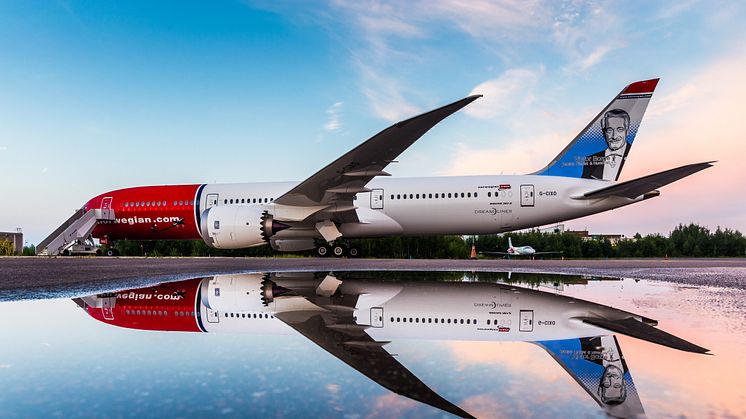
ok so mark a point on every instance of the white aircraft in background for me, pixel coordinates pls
(353, 320)
(351, 198)
(521, 251)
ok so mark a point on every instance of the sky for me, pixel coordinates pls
(96, 96)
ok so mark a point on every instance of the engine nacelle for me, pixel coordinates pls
(237, 226)
(234, 293)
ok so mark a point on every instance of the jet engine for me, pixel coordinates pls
(237, 226)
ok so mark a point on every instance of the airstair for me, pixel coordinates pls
(76, 230)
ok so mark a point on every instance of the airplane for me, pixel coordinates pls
(354, 320)
(521, 251)
(352, 198)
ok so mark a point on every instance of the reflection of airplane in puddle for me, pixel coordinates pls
(354, 320)
(520, 251)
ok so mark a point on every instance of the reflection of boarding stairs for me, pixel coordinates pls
(77, 229)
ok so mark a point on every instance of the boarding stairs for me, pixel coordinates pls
(76, 230)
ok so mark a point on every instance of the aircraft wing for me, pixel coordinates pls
(597, 364)
(334, 186)
(496, 253)
(339, 335)
(550, 253)
(640, 186)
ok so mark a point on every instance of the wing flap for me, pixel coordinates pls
(633, 188)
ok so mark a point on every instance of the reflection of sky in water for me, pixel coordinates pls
(56, 360)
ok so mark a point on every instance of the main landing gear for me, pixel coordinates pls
(337, 249)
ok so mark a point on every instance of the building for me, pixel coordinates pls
(614, 239)
(13, 240)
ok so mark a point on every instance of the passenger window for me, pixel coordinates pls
(126, 204)
(462, 194)
(243, 201)
(468, 195)
(398, 196)
(449, 195)
(462, 321)
(225, 201)
(410, 196)
(404, 196)
(392, 196)
(489, 194)
(449, 321)
(418, 196)
(231, 201)
(475, 194)
(430, 196)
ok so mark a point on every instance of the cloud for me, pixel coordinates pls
(680, 98)
(44, 170)
(5, 366)
(333, 124)
(391, 405)
(511, 157)
(585, 33)
(512, 89)
(592, 59)
(385, 96)
(506, 19)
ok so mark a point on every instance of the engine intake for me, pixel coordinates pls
(238, 227)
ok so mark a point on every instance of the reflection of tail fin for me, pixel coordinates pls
(510, 243)
(597, 364)
(600, 150)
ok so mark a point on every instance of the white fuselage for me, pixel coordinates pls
(441, 311)
(443, 205)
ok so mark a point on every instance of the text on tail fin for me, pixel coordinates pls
(601, 149)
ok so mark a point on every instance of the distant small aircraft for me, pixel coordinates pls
(520, 251)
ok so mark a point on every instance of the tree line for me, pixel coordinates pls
(684, 241)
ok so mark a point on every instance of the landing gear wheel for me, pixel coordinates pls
(110, 252)
(353, 252)
(323, 251)
(339, 250)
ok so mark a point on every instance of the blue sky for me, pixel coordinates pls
(103, 95)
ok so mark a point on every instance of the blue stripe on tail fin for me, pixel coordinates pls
(600, 150)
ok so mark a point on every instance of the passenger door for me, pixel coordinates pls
(212, 200)
(527, 195)
(376, 199)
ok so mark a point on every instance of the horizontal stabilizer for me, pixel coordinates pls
(640, 186)
(640, 330)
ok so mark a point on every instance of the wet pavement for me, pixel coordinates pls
(479, 342)
(31, 275)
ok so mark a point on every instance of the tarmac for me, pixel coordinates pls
(49, 277)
